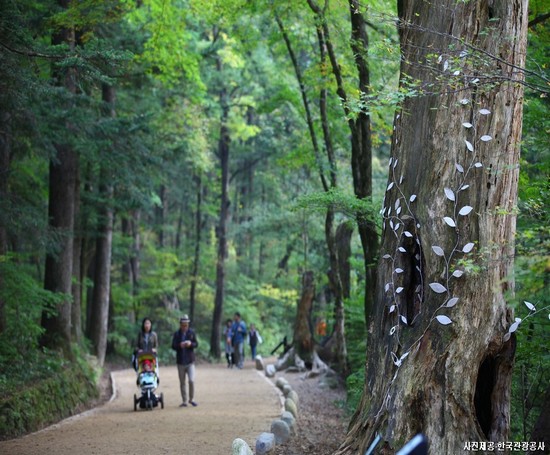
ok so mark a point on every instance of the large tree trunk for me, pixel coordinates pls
(102, 275)
(223, 152)
(303, 336)
(434, 367)
(61, 209)
(131, 272)
(361, 154)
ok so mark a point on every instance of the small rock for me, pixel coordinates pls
(259, 363)
(291, 407)
(240, 447)
(287, 389)
(312, 374)
(281, 430)
(281, 383)
(294, 397)
(270, 371)
(289, 419)
(265, 443)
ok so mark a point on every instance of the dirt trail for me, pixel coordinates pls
(232, 403)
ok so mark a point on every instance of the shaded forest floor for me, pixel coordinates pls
(322, 421)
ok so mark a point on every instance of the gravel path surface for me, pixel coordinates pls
(232, 403)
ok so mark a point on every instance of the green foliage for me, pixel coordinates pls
(26, 300)
(356, 338)
(42, 388)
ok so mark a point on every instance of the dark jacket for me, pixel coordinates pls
(184, 356)
(149, 344)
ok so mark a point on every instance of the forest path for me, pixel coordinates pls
(232, 404)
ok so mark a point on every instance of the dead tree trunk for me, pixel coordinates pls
(438, 359)
(303, 336)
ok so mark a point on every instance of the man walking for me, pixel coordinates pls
(238, 331)
(184, 343)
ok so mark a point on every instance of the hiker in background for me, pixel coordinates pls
(238, 333)
(254, 339)
(184, 343)
(228, 346)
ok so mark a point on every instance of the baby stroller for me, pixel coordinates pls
(147, 381)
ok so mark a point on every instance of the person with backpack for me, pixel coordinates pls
(254, 339)
(238, 333)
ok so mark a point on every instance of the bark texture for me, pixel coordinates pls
(303, 336)
(447, 378)
(221, 231)
(102, 275)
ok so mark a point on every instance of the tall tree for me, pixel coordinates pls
(221, 230)
(61, 209)
(439, 357)
(102, 263)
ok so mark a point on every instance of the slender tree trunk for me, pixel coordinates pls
(343, 246)
(197, 255)
(223, 152)
(78, 277)
(330, 183)
(102, 275)
(5, 155)
(130, 228)
(438, 359)
(161, 213)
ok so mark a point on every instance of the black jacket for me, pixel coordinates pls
(184, 356)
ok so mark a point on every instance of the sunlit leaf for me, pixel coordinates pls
(513, 327)
(459, 168)
(478, 164)
(464, 187)
(529, 305)
(484, 111)
(392, 309)
(438, 250)
(451, 302)
(386, 256)
(467, 125)
(442, 319)
(468, 247)
(404, 319)
(449, 221)
(398, 270)
(402, 250)
(450, 194)
(465, 210)
(407, 234)
(399, 290)
(469, 145)
(458, 273)
(438, 288)
(412, 198)
(390, 186)
(486, 138)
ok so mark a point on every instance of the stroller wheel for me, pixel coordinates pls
(161, 399)
(135, 402)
